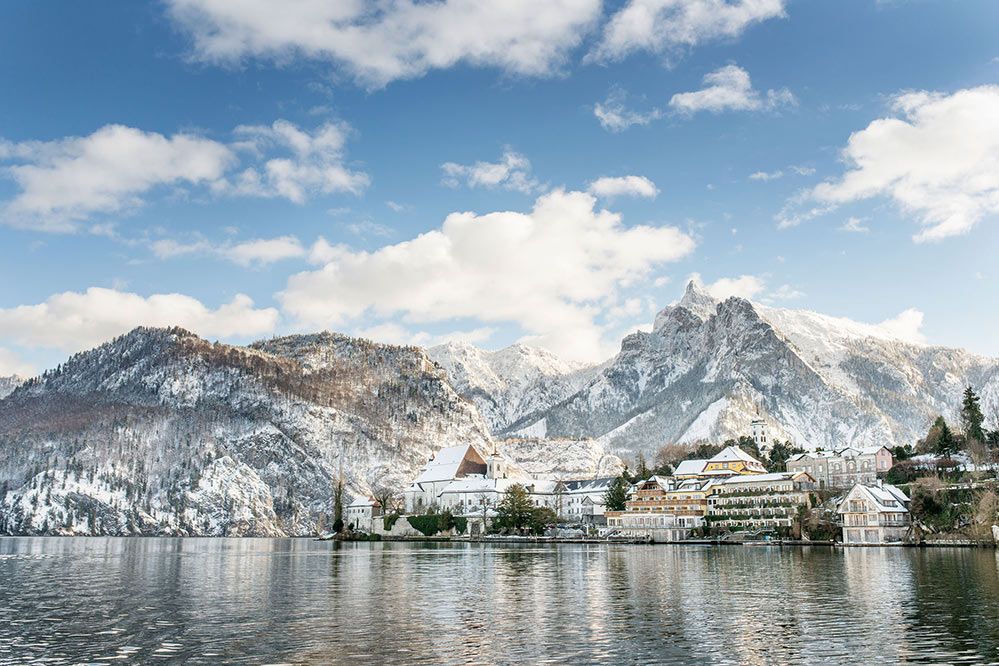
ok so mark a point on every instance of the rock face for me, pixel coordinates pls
(707, 368)
(160, 431)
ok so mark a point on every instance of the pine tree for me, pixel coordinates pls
(642, 468)
(946, 444)
(616, 495)
(971, 416)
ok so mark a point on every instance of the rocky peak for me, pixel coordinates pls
(696, 304)
(697, 299)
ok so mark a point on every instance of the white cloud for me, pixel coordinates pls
(315, 165)
(669, 26)
(786, 292)
(855, 225)
(938, 160)
(907, 326)
(396, 206)
(614, 116)
(552, 271)
(72, 321)
(512, 172)
(779, 173)
(378, 42)
(264, 250)
(393, 333)
(744, 286)
(729, 89)
(65, 181)
(634, 186)
(168, 248)
(254, 252)
(12, 364)
(368, 228)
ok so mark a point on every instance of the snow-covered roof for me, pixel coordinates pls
(363, 502)
(881, 495)
(471, 484)
(732, 454)
(760, 478)
(589, 485)
(445, 464)
(692, 485)
(688, 467)
(845, 452)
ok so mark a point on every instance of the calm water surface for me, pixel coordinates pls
(257, 601)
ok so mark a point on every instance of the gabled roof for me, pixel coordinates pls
(880, 495)
(448, 462)
(688, 467)
(733, 454)
(364, 502)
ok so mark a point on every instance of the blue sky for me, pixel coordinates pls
(177, 162)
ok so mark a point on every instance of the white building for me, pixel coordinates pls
(453, 462)
(583, 501)
(844, 467)
(655, 526)
(361, 512)
(458, 479)
(874, 514)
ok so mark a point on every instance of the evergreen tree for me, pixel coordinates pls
(748, 444)
(971, 416)
(541, 518)
(946, 443)
(515, 509)
(780, 452)
(616, 495)
(642, 470)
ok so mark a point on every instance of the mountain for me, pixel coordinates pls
(708, 368)
(512, 386)
(8, 384)
(159, 431)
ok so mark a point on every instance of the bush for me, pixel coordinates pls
(389, 520)
(428, 525)
(904, 472)
(460, 525)
(445, 521)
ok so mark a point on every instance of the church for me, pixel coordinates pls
(460, 480)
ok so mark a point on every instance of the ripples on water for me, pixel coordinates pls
(297, 601)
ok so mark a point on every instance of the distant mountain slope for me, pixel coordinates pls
(160, 431)
(707, 367)
(511, 385)
(8, 384)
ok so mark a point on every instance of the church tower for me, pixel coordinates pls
(496, 466)
(759, 430)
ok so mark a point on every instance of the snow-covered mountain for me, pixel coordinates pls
(160, 431)
(8, 384)
(707, 367)
(511, 386)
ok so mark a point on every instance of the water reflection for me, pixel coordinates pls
(262, 600)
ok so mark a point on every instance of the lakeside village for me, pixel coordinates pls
(943, 491)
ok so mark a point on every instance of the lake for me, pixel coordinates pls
(139, 600)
